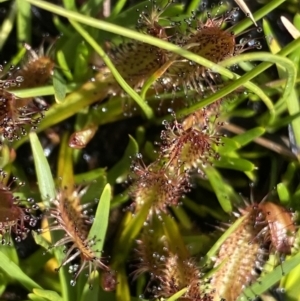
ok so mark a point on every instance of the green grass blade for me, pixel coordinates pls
(44, 175)
(177, 295)
(48, 295)
(89, 294)
(16, 273)
(247, 137)
(100, 224)
(23, 22)
(234, 163)
(122, 290)
(48, 192)
(59, 86)
(270, 279)
(117, 8)
(222, 190)
(90, 175)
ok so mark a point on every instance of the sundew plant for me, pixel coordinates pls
(149, 150)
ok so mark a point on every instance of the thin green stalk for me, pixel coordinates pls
(41, 91)
(287, 64)
(146, 109)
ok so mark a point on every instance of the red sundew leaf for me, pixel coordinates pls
(13, 217)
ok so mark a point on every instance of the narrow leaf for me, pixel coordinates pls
(247, 137)
(48, 295)
(221, 189)
(89, 294)
(177, 295)
(100, 223)
(235, 163)
(16, 273)
(59, 86)
(270, 279)
(42, 168)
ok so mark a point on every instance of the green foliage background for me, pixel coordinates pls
(86, 34)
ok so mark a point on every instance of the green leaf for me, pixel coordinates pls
(48, 192)
(234, 163)
(65, 164)
(99, 227)
(119, 199)
(3, 282)
(172, 232)
(90, 175)
(177, 295)
(40, 240)
(10, 252)
(89, 294)
(48, 295)
(283, 193)
(297, 20)
(290, 283)
(131, 229)
(16, 273)
(222, 190)
(62, 61)
(82, 67)
(230, 145)
(43, 171)
(4, 155)
(34, 297)
(59, 85)
(122, 289)
(23, 22)
(270, 279)
(94, 188)
(249, 136)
